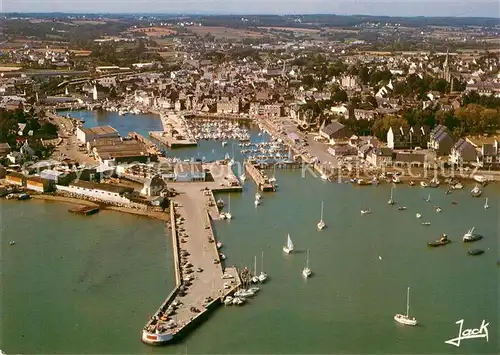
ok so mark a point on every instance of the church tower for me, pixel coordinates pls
(446, 68)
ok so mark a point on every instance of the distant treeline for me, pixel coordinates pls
(306, 21)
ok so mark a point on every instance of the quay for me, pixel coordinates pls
(171, 140)
(202, 280)
(259, 177)
(152, 148)
(84, 210)
(176, 132)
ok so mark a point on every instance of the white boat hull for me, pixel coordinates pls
(405, 320)
(286, 250)
(306, 273)
(321, 225)
(156, 339)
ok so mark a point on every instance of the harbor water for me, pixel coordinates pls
(86, 285)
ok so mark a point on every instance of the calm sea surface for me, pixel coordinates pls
(81, 285)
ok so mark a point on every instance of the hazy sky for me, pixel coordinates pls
(461, 8)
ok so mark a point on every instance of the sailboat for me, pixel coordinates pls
(257, 196)
(263, 275)
(243, 177)
(288, 248)
(307, 271)
(428, 199)
(406, 319)
(228, 213)
(321, 224)
(391, 200)
(486, 206)
(256, 202)
(231, 162)
(255, 278)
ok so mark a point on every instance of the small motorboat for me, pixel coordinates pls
(12, 242)
(257, 203)
(423, 184)
(454, 202)
(438, 209)
(475, 252)
(442, 241)
(418, 215)
(220, 203)
(457, 186)
(366, 211)
(401, 208)
(411, 183)
(426, 223)
(219, 245)
(23, 197)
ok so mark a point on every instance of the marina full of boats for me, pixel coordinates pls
(223, 130)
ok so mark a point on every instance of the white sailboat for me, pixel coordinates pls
(391, 200)
(486, 206)
(321, 223)
(428, 199)
(257, 196)
(224, 143)
(256, 203)
(228, 213)
(243, 178)
(306, 272)
(288, 248)
(255, 278)
(406, 319)
(263, 275)
(231, 162)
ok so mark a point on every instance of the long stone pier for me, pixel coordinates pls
(202, 281)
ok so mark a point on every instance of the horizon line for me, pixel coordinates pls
(208, 13)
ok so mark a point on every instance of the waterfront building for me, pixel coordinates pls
(85, 135)
(441, 141)
(380, 156)
(38, 184)
(407, 138)
(410, 159)
(489, 157)
(104, 192)
(112, 151)
(13, 178)
(153, 186)
(59, 177)
(336, 132)
(185, 172)
(463, 152)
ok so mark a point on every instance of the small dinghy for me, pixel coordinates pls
(475, 252)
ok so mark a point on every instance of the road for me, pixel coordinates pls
(68, 148)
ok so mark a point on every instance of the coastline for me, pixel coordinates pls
(162, 216)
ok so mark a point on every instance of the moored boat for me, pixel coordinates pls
(405, 318)
(471, 237)
(476, 191)
(441, 241)
(475, 252)
(288, 248)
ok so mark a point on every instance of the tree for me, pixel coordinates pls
(382, 124)
(340, 96)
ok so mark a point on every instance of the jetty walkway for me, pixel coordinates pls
(202, 280)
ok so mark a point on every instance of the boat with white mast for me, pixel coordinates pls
(405, 318)
(306, 272)
(228, 213)
(391, 199)
(263, 275)
(486, 206)
(476, 191)
(255, 278)
(288, 248)
(321, 224)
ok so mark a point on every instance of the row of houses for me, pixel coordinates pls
(439, 140)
